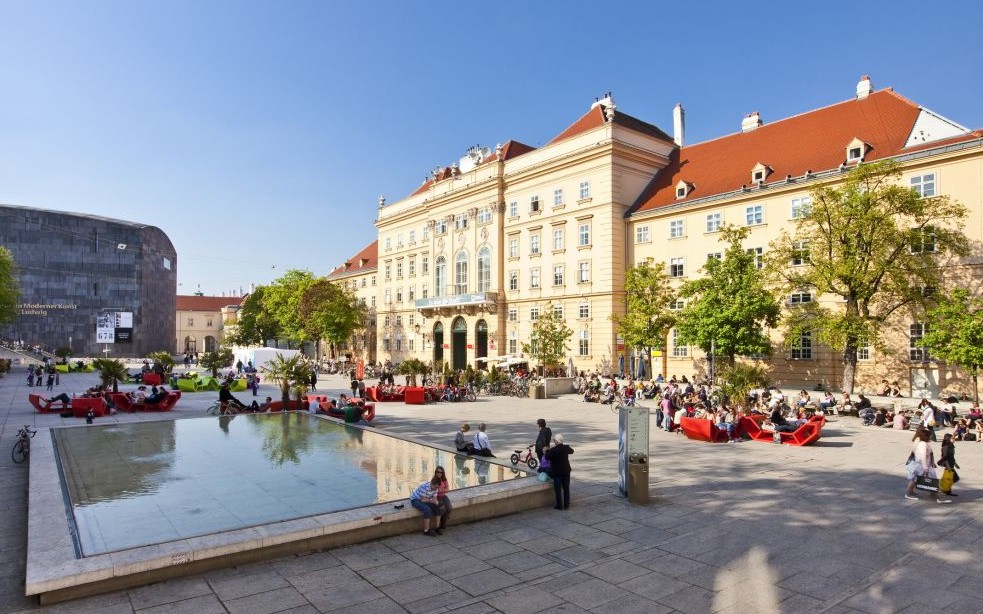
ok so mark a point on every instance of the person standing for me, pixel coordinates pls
(949, 465)
(923, 466)
(543, 439)
(928, 417)
(559, 456)
(51, 380)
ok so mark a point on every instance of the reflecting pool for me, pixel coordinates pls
(137, 484)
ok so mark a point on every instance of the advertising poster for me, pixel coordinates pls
(105, 328)
(114, 327)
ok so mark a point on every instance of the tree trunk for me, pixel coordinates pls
(849, 366)
(285, 396)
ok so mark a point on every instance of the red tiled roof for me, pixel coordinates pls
(206, 303)
(511, 149)
(362, 262)
(595, 118)
(816, 141)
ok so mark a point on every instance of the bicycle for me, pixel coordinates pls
(22, 447)
(530, 458)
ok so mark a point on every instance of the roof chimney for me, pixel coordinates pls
(750, 122)
(678, 123)
(864, 88)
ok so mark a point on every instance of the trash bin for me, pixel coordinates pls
(638, 478)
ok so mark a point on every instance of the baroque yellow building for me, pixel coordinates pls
(468, 261)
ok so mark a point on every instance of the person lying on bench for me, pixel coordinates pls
(63, 398)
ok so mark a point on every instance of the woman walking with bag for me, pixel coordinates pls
(559, 457)
(921, 468)
(949, 465)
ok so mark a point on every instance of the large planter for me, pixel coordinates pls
(558, 385)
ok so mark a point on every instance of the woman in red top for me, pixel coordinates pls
(442, 500)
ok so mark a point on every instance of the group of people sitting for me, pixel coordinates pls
(594, 390)
(477, 444)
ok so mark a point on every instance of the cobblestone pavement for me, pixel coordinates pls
(731, 528)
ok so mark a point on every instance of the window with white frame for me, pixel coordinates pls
(533, 314)
(802, 349)
(387, 298)
(759, 256)
(409, 343)
(399, 321)
(385, 343)
(533, 278)
(399, 240)
(677, 305)
(513, 280)
(557, 238)
(440, 227)
(461, 273)
(583, 272)
(425, 265)
(513, 343)
(916, 331)
(411, 293)
(484, 269)
(514, 247)
(513, 314)
(801, 207)
(399, 295)
(461, 221)
(534, 243)
(558, 311)
(641, 234)
(440, 276)
(424, 292)
(583, 344)
(514, 208)
(399, 269)
(363, 282)
(854, 153)
(863, 351)
(412, 237)
(426, 233)
(677, 267)
(484, 215)
(558, 275)
(800, 298)
(557, 197)
(754, 215)
(583, 235)
(533, 203)
(800, 253)
(584, 190)
(678, 350)
(676, 229)
(387, 272)
(411, 266)
(389, 243)
(922, 241)
(714, 221)
(373, 280)
(583, 310)
(715, 256)
(924, 185)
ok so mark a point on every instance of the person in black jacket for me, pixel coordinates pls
(543, 438)
(559, 456)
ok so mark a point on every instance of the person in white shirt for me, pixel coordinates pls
(482, 447)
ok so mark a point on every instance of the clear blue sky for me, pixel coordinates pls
(260, 135)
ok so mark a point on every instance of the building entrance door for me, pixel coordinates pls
(459, 344)
(480, 343)
(438, 343)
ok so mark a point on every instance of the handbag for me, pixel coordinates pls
(543, 477)
(924, 482)
(947, 480)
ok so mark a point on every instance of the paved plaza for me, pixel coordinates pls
(731, 528)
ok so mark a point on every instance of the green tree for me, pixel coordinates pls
(111, 371)
(164, 359)
(9, 287)
(548, 342)
(649, 299)
(290, 374)
(737, 381)
(872, 243)
(955, 332)
(283, 298)
(255, 322)
(216, 360)
(729, 307)
(330, 312)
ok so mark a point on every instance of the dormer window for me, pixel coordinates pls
(683, 189)
(856, 150)
(759, 173)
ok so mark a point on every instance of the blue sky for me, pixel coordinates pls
(260, 135)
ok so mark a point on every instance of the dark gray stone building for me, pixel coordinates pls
(74, 268)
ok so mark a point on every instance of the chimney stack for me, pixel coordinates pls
(750, 122)
(678, 124)
(864, 88)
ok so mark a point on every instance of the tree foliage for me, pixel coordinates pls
(256, 323)
(292, 373)
(649, 299)
(283, 299)
(730, 306)
(330, 312)
(549, 338)
(872, 243)
(738, 380)
(111, 371)
(9, 287)
(164, 359)
(955, 332)
(216, 360)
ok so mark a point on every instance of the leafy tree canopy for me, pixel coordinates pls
(649, 299)
(730, 306)
(255, 323)
(955, 332)
(329, 311)
(9, 287)
(873, 243)
(283, 298)
(550, 335)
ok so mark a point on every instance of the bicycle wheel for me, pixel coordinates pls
(515, 459)
(20, 451)
(533, 463)
(213, 409)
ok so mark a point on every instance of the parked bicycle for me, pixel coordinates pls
(529, 459)
(22, 447)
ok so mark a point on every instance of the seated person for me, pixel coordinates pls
(974, 414)
(895, 389)
(880, 417)
(629, 394)
(156, 397)
(846, 403)
(61, 398)
(900, 421)
(781, 424)
(828, 403)
(960, 431)
(225, 397)
(803, 399)
(725, 421)
(265, 406)
(139, 396)
(979, 431)
(884, 389)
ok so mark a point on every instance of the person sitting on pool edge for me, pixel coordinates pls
(424, 498)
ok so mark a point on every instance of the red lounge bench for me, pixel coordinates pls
(808, 433)
(123, 403)
(414, 395)
(81, 407)
(44, 406)
(702, 430)
(151, 379)
(375, 393)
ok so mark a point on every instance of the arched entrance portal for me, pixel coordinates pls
(459, 343)
(481, 343)
(210, 344)
(190, 345)
(438, 343)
